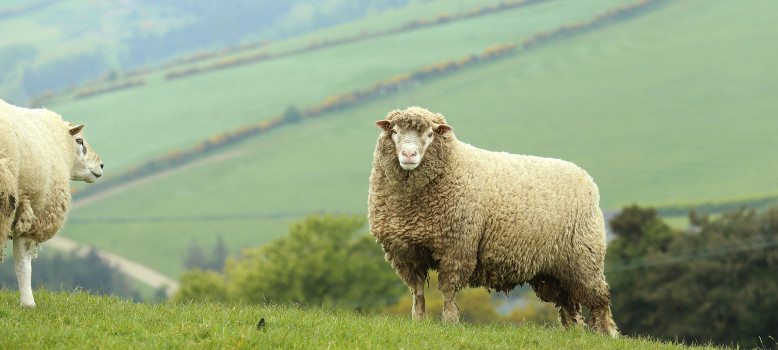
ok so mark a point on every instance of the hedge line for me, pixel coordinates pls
(88, 92)
(387, 86)
(318, 45)
(292, 115)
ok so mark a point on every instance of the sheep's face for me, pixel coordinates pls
(411, 144)
(87, 165)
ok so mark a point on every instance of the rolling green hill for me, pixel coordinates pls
(52, 45)
(671, 106)
(169, 115)
(81, 321)
(253, 193)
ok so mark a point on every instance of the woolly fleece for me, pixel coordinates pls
(489, 219)
(36, 159)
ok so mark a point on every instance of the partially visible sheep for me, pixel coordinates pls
(39, 154)
(486, 219)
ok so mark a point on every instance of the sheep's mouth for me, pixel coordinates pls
(409, 165)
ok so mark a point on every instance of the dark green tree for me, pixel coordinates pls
(716, 283)
(219, 255)
(292, 115)
(195, 258)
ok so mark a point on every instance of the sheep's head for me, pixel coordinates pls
(412, 131)
(87, 165)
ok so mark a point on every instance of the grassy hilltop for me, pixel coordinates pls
(80, 321)
(682, 121)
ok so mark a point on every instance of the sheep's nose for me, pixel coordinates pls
(101, 165)
(409, 154)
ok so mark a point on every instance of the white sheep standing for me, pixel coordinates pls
(488, 219)
(39, 154)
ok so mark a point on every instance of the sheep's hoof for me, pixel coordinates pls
(28, 304)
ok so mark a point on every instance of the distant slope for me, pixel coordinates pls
(242, 194)
(654, 108)
(179, 113)
(81, 321)
(67, 42)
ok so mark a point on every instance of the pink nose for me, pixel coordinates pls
(409, 154)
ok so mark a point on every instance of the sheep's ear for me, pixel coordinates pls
(383, 124)
(443, 129)
(75, 129)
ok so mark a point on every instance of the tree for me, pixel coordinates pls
(195, 257)
(201, 286)
(716, 284)
(292, 115)
(219, 255)
(325, 260)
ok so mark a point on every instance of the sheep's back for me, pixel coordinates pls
(531, 208)
(36, 136)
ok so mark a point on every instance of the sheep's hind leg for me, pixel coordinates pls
(419, 310)
(24, 251)
(549, 289)
(597, 299)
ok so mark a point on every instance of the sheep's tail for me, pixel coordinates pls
(9, 201)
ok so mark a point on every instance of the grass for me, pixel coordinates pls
(81, 321)
(648, 128)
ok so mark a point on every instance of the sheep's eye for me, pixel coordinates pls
(80, 141)
(429, 135)
(394, 132)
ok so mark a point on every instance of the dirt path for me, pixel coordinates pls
(131, 268)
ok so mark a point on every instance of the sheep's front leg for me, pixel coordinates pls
(412, 266)
(453, 277)
(24, 251)
(24, 217)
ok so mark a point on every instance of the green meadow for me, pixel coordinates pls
(175, 114)
(80, 321)
(684, 122)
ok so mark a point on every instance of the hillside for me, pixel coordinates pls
(254, 199)
(58, 44)
(643, 136)
(81, 321)
(175, 114)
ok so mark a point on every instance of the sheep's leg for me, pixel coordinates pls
(24, 251)
(450, 307)
(597, 299)
(454, 274)
(412, 268)
(550, 290)
(24, 217)
(419, 310)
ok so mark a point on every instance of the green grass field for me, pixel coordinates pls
(168, 115)
(246, 199)
(80, 321)
(653, 108)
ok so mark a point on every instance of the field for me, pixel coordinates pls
(80, 321)
(170, 115)
(670, 127)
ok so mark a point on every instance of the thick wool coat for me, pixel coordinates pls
(489, 219)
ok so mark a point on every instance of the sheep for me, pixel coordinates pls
(488, 219)
(39, 153)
